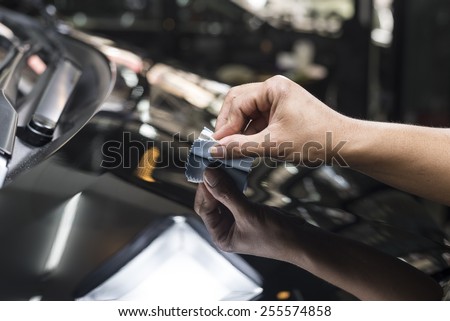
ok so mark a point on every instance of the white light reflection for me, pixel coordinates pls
(177, 265)
(143, 108)
(148, 131)
(257, 4)
(127, 19)
(3, 170)
(62, 235)
(382, 34)
(291, 168)
(130, 77)
(80, 19)
(6, 32)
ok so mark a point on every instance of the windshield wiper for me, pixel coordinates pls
(9, 79)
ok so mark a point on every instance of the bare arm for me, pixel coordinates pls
(412, 158)
(361, 270)
(238, 225)
(264, 116)
(261, 117)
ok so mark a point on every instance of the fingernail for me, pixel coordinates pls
(198, 204)
(217, 151)
(211, 178)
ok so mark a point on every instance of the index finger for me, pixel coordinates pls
(241, 105)
(204, 204)
(218, 220)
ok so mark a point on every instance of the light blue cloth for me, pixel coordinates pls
(200, 158)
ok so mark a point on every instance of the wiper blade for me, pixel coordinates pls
(8, 94)
(8, 121)
(9, 79)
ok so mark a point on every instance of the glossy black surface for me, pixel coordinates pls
(119, 199)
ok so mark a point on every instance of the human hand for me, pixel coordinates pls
(238, 225)
(276, 118)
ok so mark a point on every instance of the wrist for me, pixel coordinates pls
(356, 137)
(325, 140)
(340, 142)
(294, 245)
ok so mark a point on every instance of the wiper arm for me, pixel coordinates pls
(9, 79)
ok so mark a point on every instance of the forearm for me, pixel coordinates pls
(412, 158)
(359, 269)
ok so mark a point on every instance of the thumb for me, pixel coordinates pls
(238, 145)
(224, 190)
